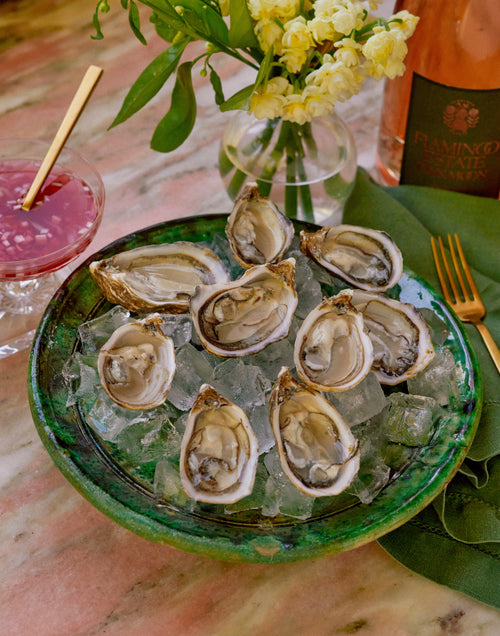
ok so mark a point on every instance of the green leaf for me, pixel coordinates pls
(165, 30)
(238, 101)
(103, 6)
(165, 12)
(175, 127)
(150, 81)
(217, 86)
(241, 33)
(265, 68)
(204, 20)
(135, 22)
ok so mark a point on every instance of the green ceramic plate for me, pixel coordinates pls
(124, 493)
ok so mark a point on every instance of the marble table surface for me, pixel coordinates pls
(65, 568)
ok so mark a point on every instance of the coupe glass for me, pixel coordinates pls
(36, 245)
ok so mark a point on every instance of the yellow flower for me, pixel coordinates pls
(335, 79)
(267, 9)
(373, 4)
(344, 15)
(293, 59)
(321, 29)
(295, 109)
(409, 24)
(297, 35)
(385, 52)
(347, 52)
(269, 101)
(296, 42)
(316, 102)
(269, 34)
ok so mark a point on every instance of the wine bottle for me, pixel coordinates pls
(440, 123)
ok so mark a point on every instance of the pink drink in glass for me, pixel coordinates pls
(61, 223)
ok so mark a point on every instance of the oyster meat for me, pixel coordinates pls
(158, 277)
(219, 450)
(244, 316)
(137, 364)
(257, 231)
(364, 258)
(333, 351)
(317, 450)
(401, 340)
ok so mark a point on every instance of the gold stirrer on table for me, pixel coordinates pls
(74, 111)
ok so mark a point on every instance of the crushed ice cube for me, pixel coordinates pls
(81, 371)
(273, 357)
(308, 288)
(193, 368)
(94, 333)
(243, 384)
(178, 327)
(253, 501)
(109, 419)
(373, 472)
(438, 329)
(360, 403)
(259, 421)
(280, 495)
(168, 488)
(410, 419)
(150, 439)
(438, 380)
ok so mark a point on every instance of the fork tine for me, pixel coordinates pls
(448, 272)
(468, 275)
(440, 274)
(457, 268)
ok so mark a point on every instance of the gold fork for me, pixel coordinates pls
(469, 307)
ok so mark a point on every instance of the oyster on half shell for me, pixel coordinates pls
(219, 450)
(158, 277)
(257, 231)
(333, 351)
(244, 316)
(364, 258)
(401, 340)
(137, 364)
(317, 450)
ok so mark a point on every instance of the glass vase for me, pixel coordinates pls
(307, 170)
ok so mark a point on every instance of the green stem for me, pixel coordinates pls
(291, 192)
(260, 144)
(300, 134)
(266, 176)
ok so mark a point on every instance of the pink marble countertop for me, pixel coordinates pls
(65, 568)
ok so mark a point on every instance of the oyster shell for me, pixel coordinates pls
(333, 351)
(364, 258)
(257, 231)
(318, 452)
(158, 277)
(137, 364)
(402, 344)
(219, 450)
(244, 316)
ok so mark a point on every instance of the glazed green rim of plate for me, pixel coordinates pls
(88, 467)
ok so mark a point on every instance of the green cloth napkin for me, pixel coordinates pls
(455, 540)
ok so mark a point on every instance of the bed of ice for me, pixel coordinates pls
(391, 426)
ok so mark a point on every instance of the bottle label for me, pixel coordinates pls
(452, 138)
